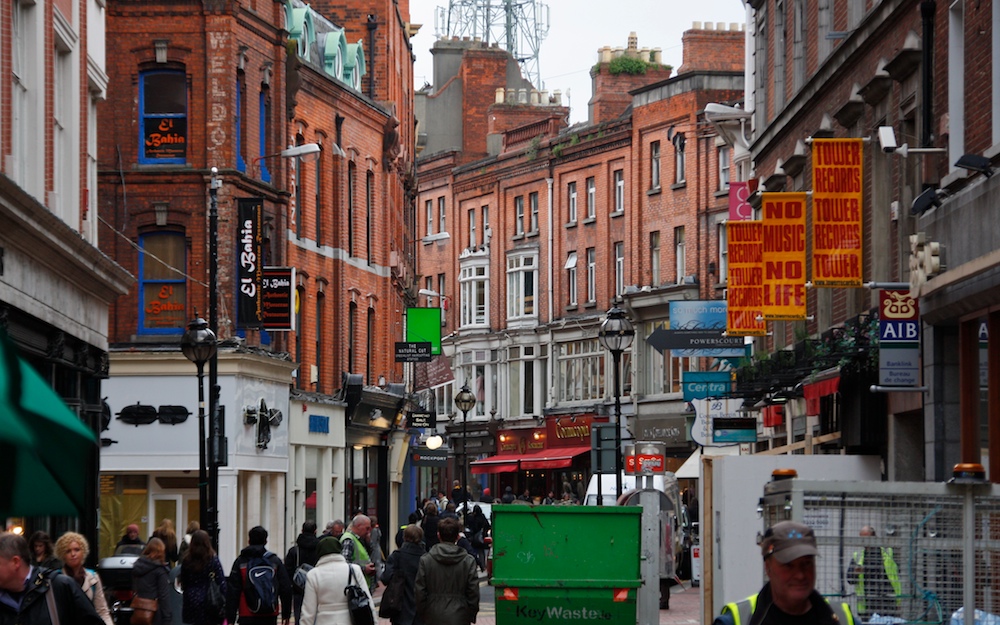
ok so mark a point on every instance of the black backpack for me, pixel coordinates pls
(260, 584)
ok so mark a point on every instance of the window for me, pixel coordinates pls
(723, 255)
(522, 375)
(442, 282)
(619, 268)
(619, 176)
(664, 371)
(591, 275)
(799, 35)
(486, 225)
(369, 214)
(519, 215)
(474, 285)
(724, 166)
(654, 256)
(163, 299)
(263, 126)
(318, 205)
(581, 370)
(571, 277)
(299, 189)
(352, 329)
(522, 276)
(22, 75)
(779, 53)
(62, 135)
(300, 333)
(351, 173)
(533, 204)
(320, 324)
(679, 162)
(163, 109)
(442, 216)
(472, 227)
(654, 165)
(371, 341)
(679, 254)
(571, 195)
(240, 113)
(761, 60)
(429, 207)
(591, 198)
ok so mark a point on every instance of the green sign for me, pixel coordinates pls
(423, 325)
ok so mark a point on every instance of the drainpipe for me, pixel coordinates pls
(552, 313)
(372, 25)
(927, 10)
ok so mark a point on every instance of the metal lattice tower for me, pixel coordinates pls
(518, 26)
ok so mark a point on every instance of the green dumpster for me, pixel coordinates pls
(566, 564)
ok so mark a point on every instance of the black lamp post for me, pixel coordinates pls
(198, 346)
(616, 336)
(465, 401)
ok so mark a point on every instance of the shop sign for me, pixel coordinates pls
(899, 339)
(249, 262)
(705, 384)
(278, 299)
(165, 137)
(646, 458)
(569, 431)
(838, 179)
(745, 279)
(423, 457)
(784, 256)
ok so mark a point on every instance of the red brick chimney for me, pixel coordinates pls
(610, 91)
(708, 48)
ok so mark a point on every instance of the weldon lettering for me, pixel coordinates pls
(562, 614)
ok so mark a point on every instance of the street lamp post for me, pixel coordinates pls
(213, 363)
(616, 336)
(465, 401)
(198, 346)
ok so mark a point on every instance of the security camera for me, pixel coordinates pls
(887, 139)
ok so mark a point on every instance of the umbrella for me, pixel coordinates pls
(46, 452)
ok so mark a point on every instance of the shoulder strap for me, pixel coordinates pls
(50, 599)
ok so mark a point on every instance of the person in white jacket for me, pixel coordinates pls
(324, 602)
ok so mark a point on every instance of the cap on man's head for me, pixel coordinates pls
(486, 491)
(132, 528)
(788, 541)
(258, 536)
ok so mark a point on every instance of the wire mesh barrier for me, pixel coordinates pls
(896, 551)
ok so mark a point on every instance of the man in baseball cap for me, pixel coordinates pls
(789, 596)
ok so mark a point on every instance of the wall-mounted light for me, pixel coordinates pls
(976, 163)
(926, 200)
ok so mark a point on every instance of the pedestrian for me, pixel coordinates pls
(149, 579)
(458, 494)
(404, 563)
(508, 495)
(549, 499)
(131, 536)
(487, 497)
(479, 529)
(200, 567)
(356, 549)
(72, 549)
(324, 602)
(430, 525)
(335, 528)
(304, 551)
(165, 532)
(566, 486)
(525, 496)
(192, 527)
(399, 539)
(789, 597)
(375, 544)
(449, 512)
(269, 589)
(446, 588)
(43, 551)
(442, 501)
(24, 588)
(875, 577)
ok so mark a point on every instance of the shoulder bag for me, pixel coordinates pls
(301, 571)
(215, 603)
(392, 598)
(143, 610)
(358, 603)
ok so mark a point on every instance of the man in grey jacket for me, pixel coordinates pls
(447, 584)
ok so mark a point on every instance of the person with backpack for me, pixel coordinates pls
(257, 585)
(303, 552)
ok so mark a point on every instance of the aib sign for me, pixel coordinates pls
(899, 339)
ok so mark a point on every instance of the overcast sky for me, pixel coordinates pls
(578, 28)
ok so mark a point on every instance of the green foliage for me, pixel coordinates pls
(573, 140)
(533, 148)
(627, 65)
(557, 150)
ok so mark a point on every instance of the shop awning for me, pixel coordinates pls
(827, 383)
(557, 458)
(500, 463)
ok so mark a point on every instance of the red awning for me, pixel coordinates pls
(814, 390)
(558, 458)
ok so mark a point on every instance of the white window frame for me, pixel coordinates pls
(533, 207)
(431, 217)
(519, 215)
(619, 267)
(723, 269)
(654, 165)
(580, 367)
(472, 228)
(474, 285)
(680, 160)
(522, 285)
(619, 176)
(680, 261)
(654, 256)
(571, 278)
(591, 198)
(591, 275)
(725, 166)
(571, 194)
(442, 215)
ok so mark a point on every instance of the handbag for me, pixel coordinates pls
(215, 603)
(300, 574)
(392, 597)
(358, 603)
(143, 610)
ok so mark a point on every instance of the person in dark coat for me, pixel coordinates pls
(508, 495)
(430, 525)
(479, 529)
(304, 551)
(43, 551)
(487, 497)
(149, 579)
(404, 562)
(131, 536)
(199, 568)
(23, 587)
(446, 588)
(235, 603)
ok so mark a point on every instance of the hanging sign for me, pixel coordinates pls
(899, 339)
(784, 256)
(745, 279)
(249, 262)
(837, 196)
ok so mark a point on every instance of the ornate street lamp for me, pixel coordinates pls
(199, 346)
(465, 401)
(616, 335)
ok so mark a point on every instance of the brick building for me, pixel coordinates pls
(234, 87)
(532, 242)
(55, 284)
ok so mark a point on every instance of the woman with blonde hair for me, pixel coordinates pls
(165, 532)
(72, 549)
(150, 580)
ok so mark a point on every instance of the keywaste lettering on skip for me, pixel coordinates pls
(557, 613)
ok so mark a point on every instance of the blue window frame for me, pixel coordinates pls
(163, 117)
(241, 87)
(262, 128)
(162, 285)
